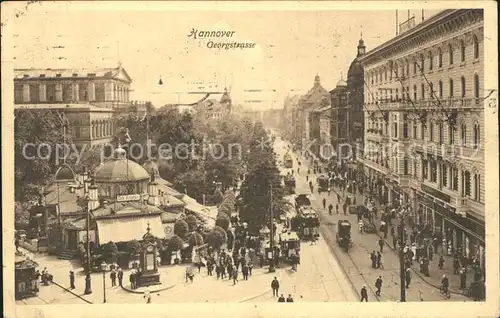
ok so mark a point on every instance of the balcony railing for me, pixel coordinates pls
(427, 104)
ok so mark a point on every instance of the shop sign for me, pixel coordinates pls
(438, 194)
(128, 197)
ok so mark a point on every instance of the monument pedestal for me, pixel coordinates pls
(149, 279)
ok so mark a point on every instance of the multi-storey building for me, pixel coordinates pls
(339, 123)
(424, 124)
(316, 98)
(87, 98)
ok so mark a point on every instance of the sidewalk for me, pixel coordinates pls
(434, 280)
(422, 288)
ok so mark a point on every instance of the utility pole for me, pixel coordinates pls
(402, 260)
(271, 228)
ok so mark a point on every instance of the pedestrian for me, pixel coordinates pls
(463, 278)
(235, 275)
(275, 285)
(147, 295)
(364, 294)
(379, 260)
(408, 277)
(381, 244)
(445, 283)
(289, 299)
(71, 280)
(337, 208)
(210, 268)
(373, 258)
(330, 208)
(281, 299)
(344, 207)
(441, 262)
(112, 275)
(455, 266)
(133, 279)
(230, 268)
(217, 270)
(250, 267)
(307, 178)
(324, 204)
(392, 231)
(430, 252)
(378, 285)
(244, 271)
(120, 276)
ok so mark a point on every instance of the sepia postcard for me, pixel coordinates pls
(215, 158)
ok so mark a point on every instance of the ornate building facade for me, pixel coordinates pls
(87, 98)
(424, 124)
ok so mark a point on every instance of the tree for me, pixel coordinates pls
(223, 221)
(110, 252)
(181, 228)
(33, 170)
(216, 238)
(192, 222)
(133, 247)
(221, 231)
(175, 243)
(195, 239)
(256, 189)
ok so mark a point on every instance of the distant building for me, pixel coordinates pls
(339, 120)
(317, 97)
(213, 109)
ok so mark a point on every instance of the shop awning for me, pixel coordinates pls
(128, 229)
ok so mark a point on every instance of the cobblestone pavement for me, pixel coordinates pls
(356, 263)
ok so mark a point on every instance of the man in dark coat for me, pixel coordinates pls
(120, 276)
(281, 299)
(373, 258)
(289, 299)
(275, 285)
(364, 294)
(381, 245)
(71, 279)
(378, 285)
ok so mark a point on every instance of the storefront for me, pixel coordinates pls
(425, 213)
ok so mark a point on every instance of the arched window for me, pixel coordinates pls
(414, 67)
(462, 51)
(414, 129)
(444, 174)
(385, 75)
(431, 131)
(440, 133)
(431, 90)
(451, 88)
(476, 135)
(476, 47)
(422, 63)
(462, 86)
(476, 87)
(450, 54)
(414, 93)
(451, 134)
(430, 61)
(463, 134)
(408, 69)
(440, 87)
(395, 70)
(422, 91)
(477, 187)
(440, 58)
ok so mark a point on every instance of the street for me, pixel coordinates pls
(356, 263)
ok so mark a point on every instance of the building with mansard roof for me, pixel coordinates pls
(424, 121)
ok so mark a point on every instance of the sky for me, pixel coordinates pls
(291, 47)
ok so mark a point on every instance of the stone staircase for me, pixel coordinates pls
(67, 255)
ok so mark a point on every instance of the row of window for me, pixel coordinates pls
(429, 130)
(379, 76)
(32, 93)
(427, 91)
(449, 175)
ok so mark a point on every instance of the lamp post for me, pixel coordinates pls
(272, 269)
(402, 216)
(104, 267)
(88, 280)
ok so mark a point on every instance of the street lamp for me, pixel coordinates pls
(88, 288)
(104, 268)
(402, 216)
(272, 269)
